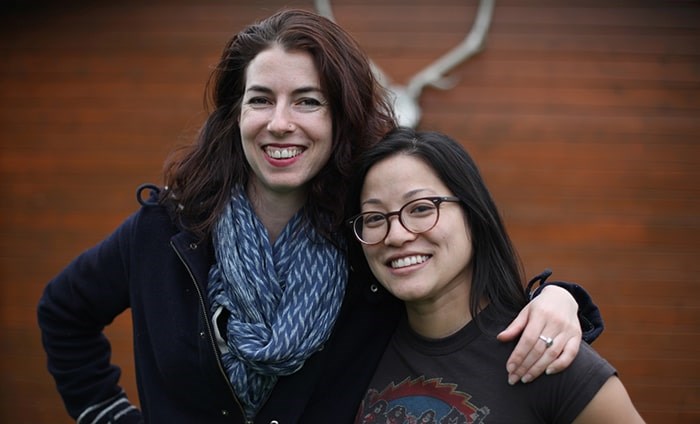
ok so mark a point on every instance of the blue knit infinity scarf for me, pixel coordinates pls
(283, 299)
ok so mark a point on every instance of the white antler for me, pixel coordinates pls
(406, 97)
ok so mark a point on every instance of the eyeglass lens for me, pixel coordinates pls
(416, 216)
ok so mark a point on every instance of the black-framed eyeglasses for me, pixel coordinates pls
(416, 216)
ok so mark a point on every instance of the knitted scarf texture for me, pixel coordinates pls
(283, 299)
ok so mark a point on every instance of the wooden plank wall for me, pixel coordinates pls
(584, 116)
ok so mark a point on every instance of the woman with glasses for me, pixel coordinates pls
(243, 305)
(431, 234)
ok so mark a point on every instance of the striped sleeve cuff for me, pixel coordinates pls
(116, 410)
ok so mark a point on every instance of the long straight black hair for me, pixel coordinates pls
(497, 271)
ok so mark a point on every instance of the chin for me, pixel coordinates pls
(285, 186)
(408, 295)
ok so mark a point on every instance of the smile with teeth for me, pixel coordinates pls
(408, 261)
(283, 152)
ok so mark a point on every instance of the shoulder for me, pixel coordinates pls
(154, 217)
(568, 392)
(589, 361)
(588, 369)
(148, 229)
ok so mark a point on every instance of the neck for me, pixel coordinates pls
(275, 209)
(440, 319)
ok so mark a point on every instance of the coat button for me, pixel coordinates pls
(224, 412)
(374, 288)
(193, 246)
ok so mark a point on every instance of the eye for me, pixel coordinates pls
(373, 219)
(258, 101)
(421, 208)
(309, 104)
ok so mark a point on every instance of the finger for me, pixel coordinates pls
(548, 356)
(516, 327)
(526, 353)
(566, 357)
(535, 349)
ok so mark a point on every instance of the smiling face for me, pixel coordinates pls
(285, 121)
(431, 269)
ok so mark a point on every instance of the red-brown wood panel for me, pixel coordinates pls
(583, 115)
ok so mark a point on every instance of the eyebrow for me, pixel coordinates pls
(297, 91)
(406, 196)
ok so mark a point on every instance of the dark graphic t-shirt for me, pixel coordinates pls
(463, 379)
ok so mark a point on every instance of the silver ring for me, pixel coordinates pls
(548, 341)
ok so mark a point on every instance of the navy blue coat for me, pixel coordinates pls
(159, 272)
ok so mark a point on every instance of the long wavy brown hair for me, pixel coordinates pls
(199, 178)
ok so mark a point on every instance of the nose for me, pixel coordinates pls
(280, 121)
(397, 233)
